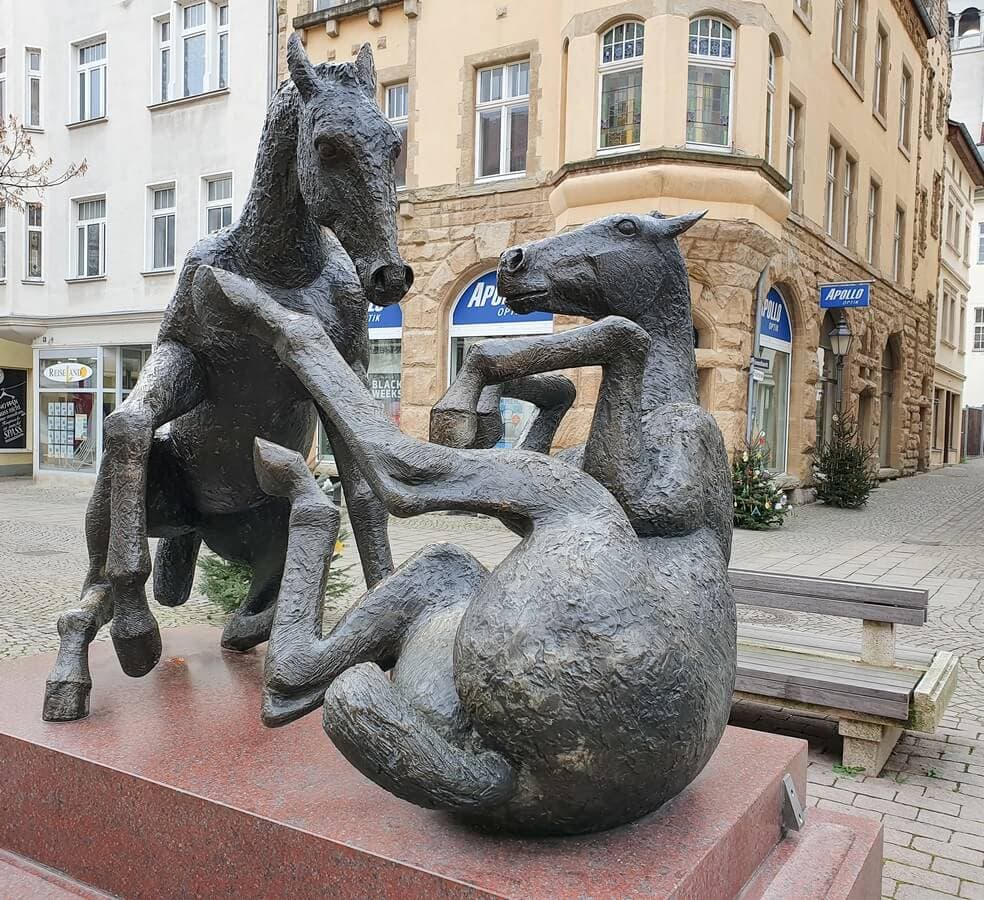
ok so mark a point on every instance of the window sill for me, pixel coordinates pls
(32, 281)
(804, 18)
(709, 148)
(614, 151)
(34, 129)
(97, 121)
(194, 98)
(15, 450)
(85, 278)
(153, 273)
(486, 179)
(905, 152)
(879, 117)
(848, 77)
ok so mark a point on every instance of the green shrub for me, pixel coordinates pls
(843, 467)
(758, 502)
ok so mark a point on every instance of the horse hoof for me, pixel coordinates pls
(280, 709)
(453, 427)
(66, 701)
(138, 653)
(242, 632)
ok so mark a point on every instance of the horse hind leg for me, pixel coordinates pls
(377, 730)
(174, 568)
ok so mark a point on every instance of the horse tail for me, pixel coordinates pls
(389, 741)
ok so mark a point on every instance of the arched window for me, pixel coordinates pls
(621, 86)
(769, 413)
(711, 50)
(770, 103)
(969, 29)
(889, 369)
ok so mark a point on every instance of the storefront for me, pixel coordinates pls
(478, 313)
(76, 389)
(769, 412)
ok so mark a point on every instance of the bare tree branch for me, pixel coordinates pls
(20, 169)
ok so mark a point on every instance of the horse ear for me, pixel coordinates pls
(301, 71)
(674, 227)
(365, 67)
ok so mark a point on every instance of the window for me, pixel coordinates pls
(223, 45)
(770, 103)
(91, 69)
(966, 242)
(33, 263)
(849, 36)
(502, 120)
(193, 48)
(3, 242)
(979, 328)
(712, 58)
(621, 86)
(794, 150)
(162, 227)
(830, 190)
(905, 108)
(397, 111)
(874, 214)
(928, 108)
(898, 251)
(90, 237)
(218, 203)
(980, 244)
(32, 93)
(3, 85)
(968, 32)
(847, 209)
(881, 71)
(164, 57)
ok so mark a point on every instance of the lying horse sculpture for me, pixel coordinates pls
(588, 677)
(178, 453)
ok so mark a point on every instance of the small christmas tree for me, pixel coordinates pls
(759, 502)
(843, 471)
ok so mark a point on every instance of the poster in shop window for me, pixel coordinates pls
(13, 409)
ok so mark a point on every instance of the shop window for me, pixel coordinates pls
(13, 409)
(711, 51)
(769, 412)
(90, 61)
(621, 86)
(397, 111)
(502, 113)
(479, 312)
(67, 402)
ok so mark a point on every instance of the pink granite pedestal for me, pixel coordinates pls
(173, 788)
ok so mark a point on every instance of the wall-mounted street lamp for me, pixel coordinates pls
(841, 339)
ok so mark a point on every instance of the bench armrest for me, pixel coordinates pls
(933, 692)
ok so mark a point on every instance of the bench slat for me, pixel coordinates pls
(861, 703)
(827, 607)
(831, 588)
(799, 668)
(908, 656)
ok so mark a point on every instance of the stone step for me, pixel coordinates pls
(26, 880)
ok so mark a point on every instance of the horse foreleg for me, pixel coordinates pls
(170, 385)
(174, 568)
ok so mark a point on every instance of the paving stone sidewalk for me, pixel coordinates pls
(926, 531)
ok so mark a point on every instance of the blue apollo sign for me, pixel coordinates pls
(775, 329)
(847, 295)
(481, 304)
(385, 316)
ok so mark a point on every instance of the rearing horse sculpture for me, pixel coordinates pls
(178, 453)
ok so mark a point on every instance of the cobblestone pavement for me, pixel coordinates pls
(926, 531)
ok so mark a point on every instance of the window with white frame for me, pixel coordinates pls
(898, 250)
(162, 217)
(874, 214)
(905, 108)
(3, 85)
(711, 50)
(770, 102)
(847, 201)
(502, 116)
(980, 244)
(620, 86)
(794, 151)
(90, 65)
(830, 188)
(979, 328)
(849, 36)
(32, 88)
(90, 237)
(33, 250)
(3, 242)
(218, 203)
(194, 48)
(880, 92)
(165, 56)
(397, 111)
(223, 38)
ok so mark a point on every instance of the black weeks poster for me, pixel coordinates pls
(13, 409)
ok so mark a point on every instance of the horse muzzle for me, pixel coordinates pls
(389, 283)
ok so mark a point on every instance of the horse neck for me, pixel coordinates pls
(276, 236)
(671, 368)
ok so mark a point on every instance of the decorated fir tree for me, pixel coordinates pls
(758, 500)
(843, 469)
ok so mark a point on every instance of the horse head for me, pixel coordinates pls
(346, 151)
(623, 265)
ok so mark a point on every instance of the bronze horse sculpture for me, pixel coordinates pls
(177, 462)
(587, 678)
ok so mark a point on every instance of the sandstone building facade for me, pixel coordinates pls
(813, 133)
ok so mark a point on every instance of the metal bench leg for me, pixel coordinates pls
(867, 745)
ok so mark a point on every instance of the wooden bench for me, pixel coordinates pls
(874, 688)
